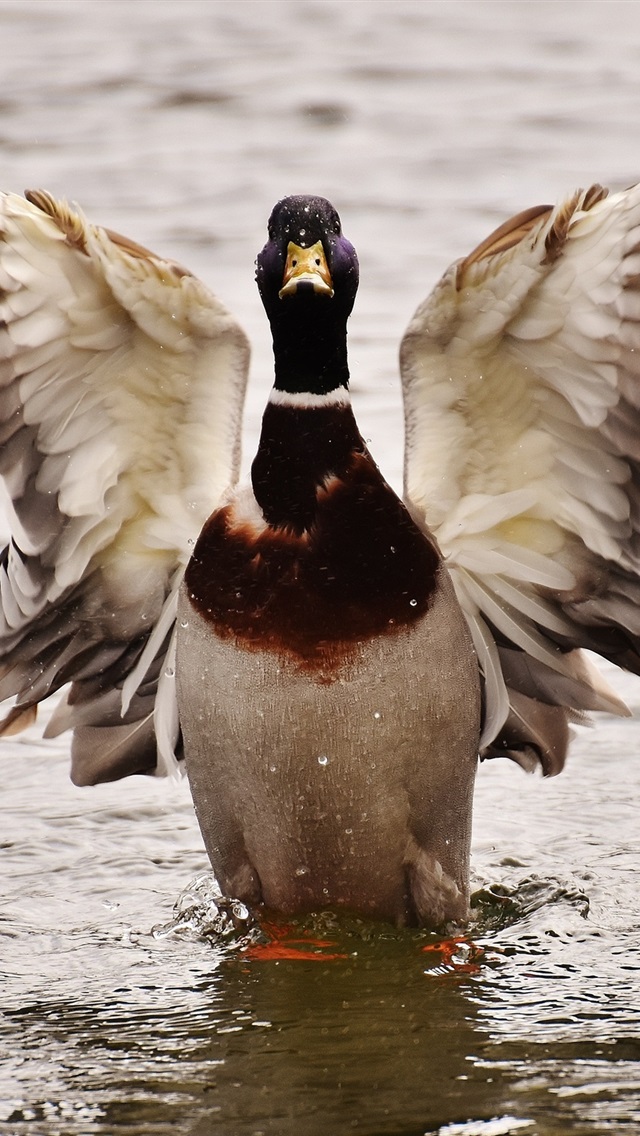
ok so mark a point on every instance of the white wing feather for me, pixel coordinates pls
(122, 380)
(521, 377)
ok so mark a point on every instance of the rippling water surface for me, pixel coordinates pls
(426, 124)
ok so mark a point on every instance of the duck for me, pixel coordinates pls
(326, 659)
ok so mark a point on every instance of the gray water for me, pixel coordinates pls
(426, 124)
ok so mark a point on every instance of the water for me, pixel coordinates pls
(426, 124)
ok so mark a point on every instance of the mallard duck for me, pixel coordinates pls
(326, 659)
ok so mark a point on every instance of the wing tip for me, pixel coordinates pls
(507, 235)
(511, 232)
(581, 201)
(69, 221)
(19, 718)
(535, 734)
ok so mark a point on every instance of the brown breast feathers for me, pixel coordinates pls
(332, 557)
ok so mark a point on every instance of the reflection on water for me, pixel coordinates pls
(389, 1029)
(180, 125)
(250, 1047)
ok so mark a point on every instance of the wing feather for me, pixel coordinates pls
(521, 376)
(122, 381)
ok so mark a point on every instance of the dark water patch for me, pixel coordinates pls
(325, 113)
(187, 99)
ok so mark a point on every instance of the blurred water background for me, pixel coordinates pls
(426, 123)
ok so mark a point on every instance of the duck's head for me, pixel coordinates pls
(307, 275)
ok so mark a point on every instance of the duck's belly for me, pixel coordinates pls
(352, 788)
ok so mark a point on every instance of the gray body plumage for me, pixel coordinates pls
(313, 789)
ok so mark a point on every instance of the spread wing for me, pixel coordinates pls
(521, 377)
(122, 380)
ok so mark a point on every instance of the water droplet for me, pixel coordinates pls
(184, 622)
(272, 768)
(348, 831)
(413, 603)
(323, 759)
(169, 672)
(302, 871)
(377, 715)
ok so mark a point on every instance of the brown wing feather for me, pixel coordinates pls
(506, 236)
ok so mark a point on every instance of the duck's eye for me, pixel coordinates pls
(294, 262)
(318, 260)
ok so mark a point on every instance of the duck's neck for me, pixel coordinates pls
(309, 348)
(308, 428)
(306, 439)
